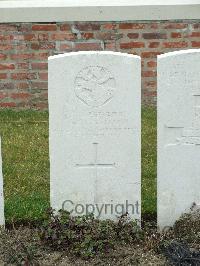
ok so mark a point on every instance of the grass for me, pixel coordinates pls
(149, 160)
(26, 163)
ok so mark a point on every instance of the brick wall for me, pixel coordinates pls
(25, 47)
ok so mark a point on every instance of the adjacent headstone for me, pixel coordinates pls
(178, 134)
(2, 221)
(94, 109)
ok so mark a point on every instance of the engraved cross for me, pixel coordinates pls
(95, 164)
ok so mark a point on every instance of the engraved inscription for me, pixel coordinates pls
(97, 122)
(95, 86)
(190, 135)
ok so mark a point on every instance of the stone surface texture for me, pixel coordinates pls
(94, 104)
(178, 134)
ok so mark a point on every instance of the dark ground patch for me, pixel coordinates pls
(179, 245)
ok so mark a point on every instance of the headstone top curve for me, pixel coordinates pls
(94, 53)
(178, 53)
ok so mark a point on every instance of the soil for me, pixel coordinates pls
(22, 246)
(11, 251)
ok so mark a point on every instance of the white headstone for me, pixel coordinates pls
(2, 221)
(94, 108)
(178, 134)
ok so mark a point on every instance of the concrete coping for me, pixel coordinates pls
(93, 10)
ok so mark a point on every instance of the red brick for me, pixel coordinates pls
(87, 46)
(63, 36)
(196, 26)
(154, 26)
(109, 26)
(65, 46)
(3, 76)
(154, 44)
(21, 56)
(134, 52)
(43, 76)
(3, 95)
(3, 56)
(22, 86)
(7, 66)
(18, 37)
(6, 86)
(24, 27)
(5, 37)
(39, 85)
(8, 27)
(21, 95)
(150, 84)
(150, 93)
(149, 73)
(16, 41)
(20, 47)
(21, 76)
(65, 27)
(5, 47)
(41, 56)
(39, 65)
(152, 64)
(44, 95)
(175, 44)
(87, 35)
(176, 26)
(44, 27)
(41, 105)
(196, 44)
(107, 36)
(154, 35)
(130, 45)
(43, 37)
(133, 35)
(43, 46)
(8, 104)
(137, 26)
(195, 34)
(30, 37)
(22, 65)
(87, 26)
(23, 104)
(110, 46)
(176, 35)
